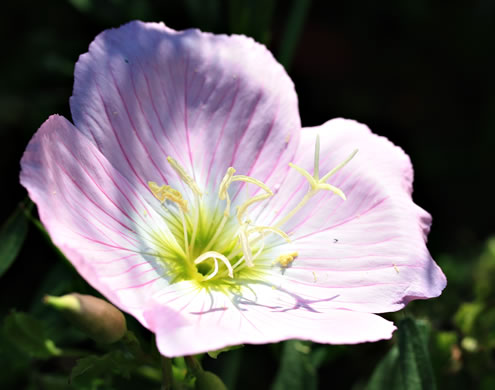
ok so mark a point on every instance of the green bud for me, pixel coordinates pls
(99, 319)
(206, 380)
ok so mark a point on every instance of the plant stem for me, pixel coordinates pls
(193, 365)
(166, 373)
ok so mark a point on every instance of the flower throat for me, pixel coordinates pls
(208, 245)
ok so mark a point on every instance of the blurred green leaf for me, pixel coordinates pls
(28, 334)
(387, 374)
(252, 18)
(443, 342)
(296, 370)
(12, 236)
(81, 5)
(205, 14)
(93, 371)
(414, 358)
(485, 273)
(467, 315)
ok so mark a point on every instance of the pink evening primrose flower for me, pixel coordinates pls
(187, 193)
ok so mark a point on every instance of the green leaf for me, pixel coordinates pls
(414, 359)
(296, 370)
(12, 236)
(28, 334)
(387, 374)
(91, 371)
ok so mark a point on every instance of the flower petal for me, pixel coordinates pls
(93, 214)
(144, 91)
(369, 251)
(188, 321)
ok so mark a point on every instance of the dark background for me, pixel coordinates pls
(418, 72)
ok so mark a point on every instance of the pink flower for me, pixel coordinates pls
(173, 196)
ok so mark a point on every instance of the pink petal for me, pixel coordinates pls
(93, 214)
(144, 91)
(368, 251)
(187, 321)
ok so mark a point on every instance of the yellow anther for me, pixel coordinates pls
(165, 192)
(184, 176)
(287, 259)
(224, 185)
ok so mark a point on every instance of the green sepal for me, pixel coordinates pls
(214, 354)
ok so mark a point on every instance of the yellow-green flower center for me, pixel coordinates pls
(213, 244)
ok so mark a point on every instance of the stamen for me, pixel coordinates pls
(287, 259)
(246, 249)
(184, 227)
(184, 176)
(243, 207)
(195, 227)
(223, 194)
(165, 192)
(255, 256)
(247, 179)
(271, 229)
(216, 255)
(252, 180)
(224, 185)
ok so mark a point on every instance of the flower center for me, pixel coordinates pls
(212, 243)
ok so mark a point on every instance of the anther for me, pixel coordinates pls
(184, 176)
(165, 192)
(287, 259)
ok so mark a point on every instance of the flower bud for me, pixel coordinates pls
(99, 319)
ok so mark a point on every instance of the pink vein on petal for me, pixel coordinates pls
(129, 117)
(186, 70)
(345, 221)
(118, 139)
(231, 108)
(272, 125)
(239, 141)
(139, 285)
